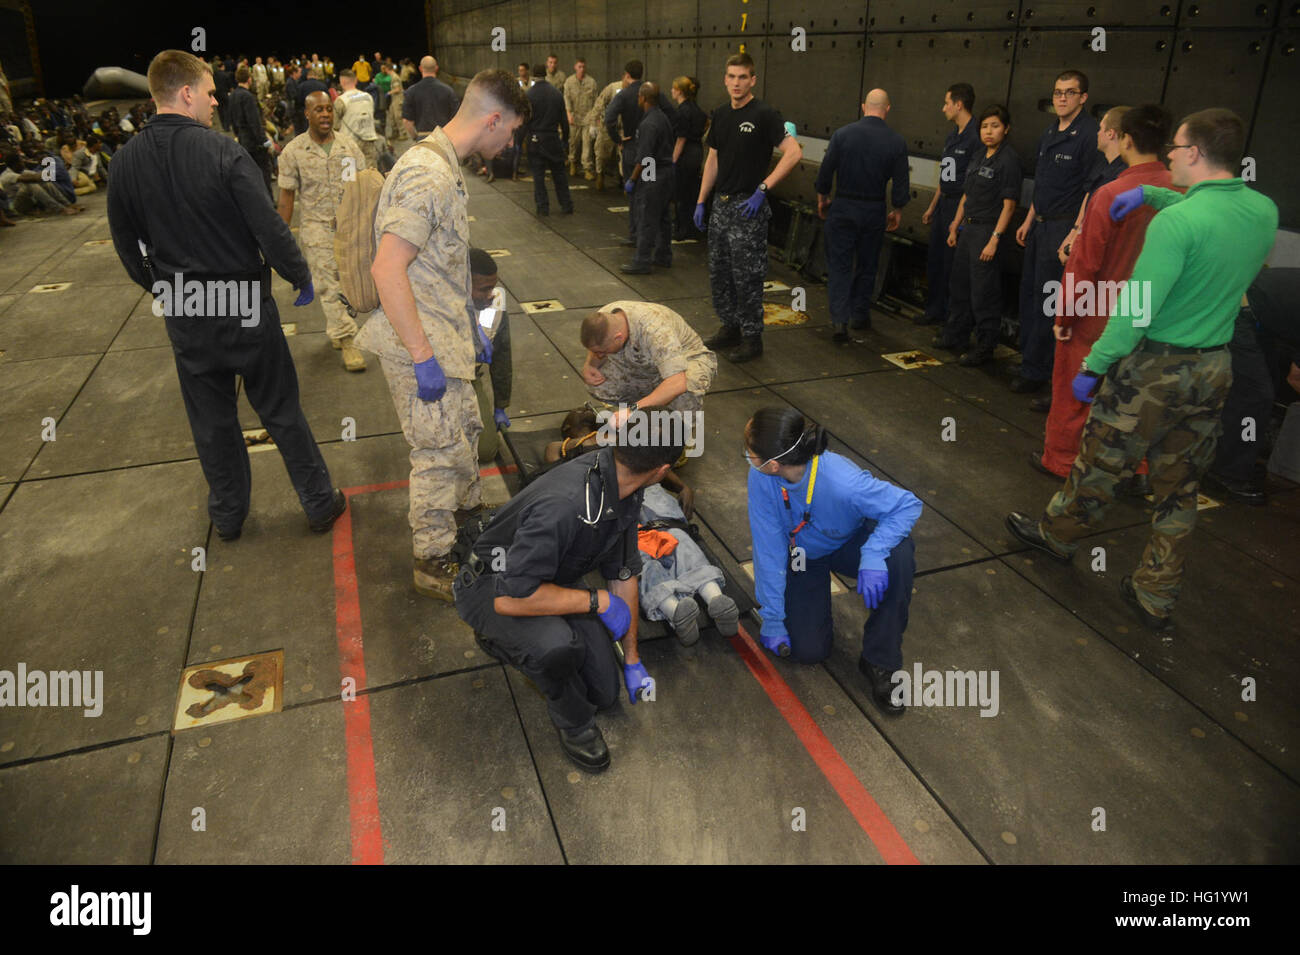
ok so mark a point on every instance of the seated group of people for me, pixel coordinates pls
(53, 151)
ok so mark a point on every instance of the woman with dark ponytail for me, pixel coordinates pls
(689, 125)
(811, 512)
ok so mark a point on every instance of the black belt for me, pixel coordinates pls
(950, 195)
(1068, 215)
(859, 197)
(1163, 348)
(972, 220)
(263, 277)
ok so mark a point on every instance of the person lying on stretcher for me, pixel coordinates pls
(674, 568)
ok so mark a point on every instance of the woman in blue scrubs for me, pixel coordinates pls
(811, 512)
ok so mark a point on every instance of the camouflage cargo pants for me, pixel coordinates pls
(1168, 408)
(317, 243)
(738, 263)
(582, 148)
(443, 436)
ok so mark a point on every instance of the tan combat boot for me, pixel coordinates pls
(352, 357)
(573, 168)
(588, 175)
(434, 576)
(600, 180)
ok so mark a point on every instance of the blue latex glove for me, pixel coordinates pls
(305, 295)
(636, 679)
(698, 219)
(617, 617)
(774, 637)
(1084, 386)
(629, 186)
(872, 585)
(753, 204)
(1125, 203)
(500, 417)
(430, 382)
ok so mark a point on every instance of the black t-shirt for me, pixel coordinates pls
(429, 104)
(744, 139)
(989, 180)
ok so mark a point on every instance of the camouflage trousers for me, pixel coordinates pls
(1168, 408)
(582, 148)
(738, 263)
(443, 436)
(317, 243)
(604, 149)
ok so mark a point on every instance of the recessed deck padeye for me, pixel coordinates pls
(546, 305)
(230, 690)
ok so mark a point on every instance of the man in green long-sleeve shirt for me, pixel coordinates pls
(1164, 358)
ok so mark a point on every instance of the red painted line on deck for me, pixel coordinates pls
(363, 791)
(865, 810)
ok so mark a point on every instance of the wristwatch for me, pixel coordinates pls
(762, 187)
(595, 600)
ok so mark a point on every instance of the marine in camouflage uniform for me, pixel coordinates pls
(595, 119)
(316, 177)
(424, 203)
(659, 344)
(1167, 373)
(579, 96)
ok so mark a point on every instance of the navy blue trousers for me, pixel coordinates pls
(939, 258)
(808, 603)
(854, 229)
(1041, 265)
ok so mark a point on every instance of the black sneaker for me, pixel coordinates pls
(340, 504)
(947, 344)
(1150, 620)
(229, 533)
(975, 357)
(882, 688)
(750, 347)
(1245, 492)
(841, 337)
(586, 748)
(724, 337)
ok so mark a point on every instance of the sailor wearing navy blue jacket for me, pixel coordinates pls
(812, 512)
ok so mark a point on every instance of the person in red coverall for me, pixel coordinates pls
(1104, 251)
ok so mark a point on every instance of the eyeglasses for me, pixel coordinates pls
(1064, 94)
(1169, 146)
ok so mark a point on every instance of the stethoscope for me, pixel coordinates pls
(586, 489)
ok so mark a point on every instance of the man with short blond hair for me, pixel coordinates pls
(183, 204)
